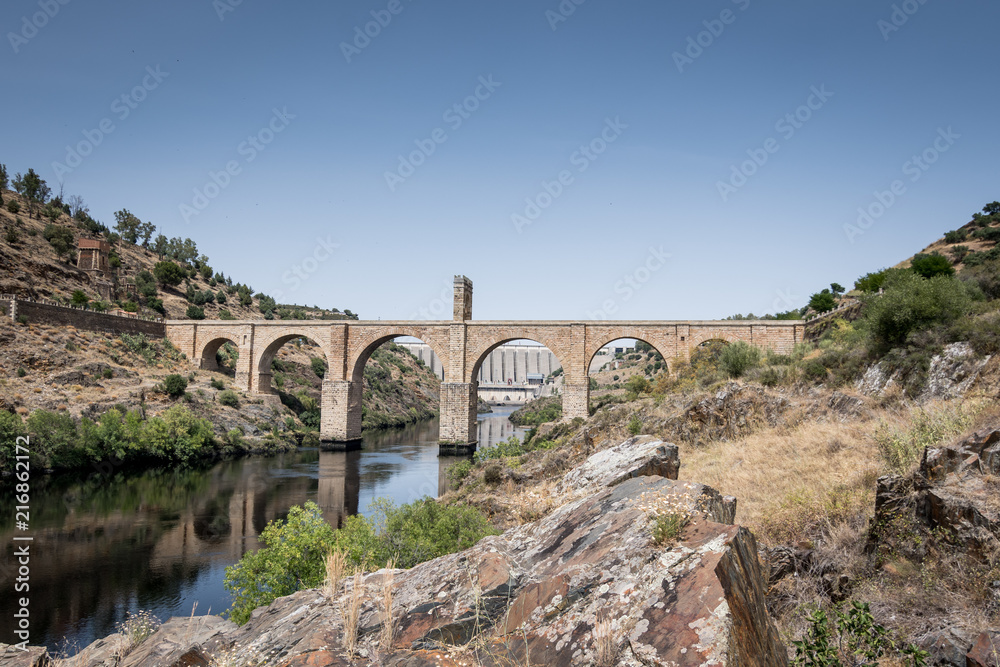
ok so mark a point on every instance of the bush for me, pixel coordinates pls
(456, 472)
(175, 385)
(318, 366)
(294, 551)
(195, 313)
(217, 384)
(986, 276)
(11, 428)
(634, 425)
(738, 358)
(815, 371)
(229, 398)
(13, 207)
(636, 385)
(60, 238)
(823, 301)
(911, 303)
(929, 266)
(292, 557)
(168, 274)
(956, 236)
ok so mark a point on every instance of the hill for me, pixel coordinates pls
(38, 260)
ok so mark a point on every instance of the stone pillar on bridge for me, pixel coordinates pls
(459, 428)
(340, 415)
(576, 391)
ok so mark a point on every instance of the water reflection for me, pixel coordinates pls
(161, 539)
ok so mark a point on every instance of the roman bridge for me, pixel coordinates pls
(461, 344)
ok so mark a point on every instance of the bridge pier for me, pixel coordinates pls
(340, 415)
(459, 426)
(576, 399)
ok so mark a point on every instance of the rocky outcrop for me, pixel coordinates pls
(591, 583)
(953, 371)
(732, 412)
(641, 456)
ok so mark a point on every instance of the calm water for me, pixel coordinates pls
(161, 539)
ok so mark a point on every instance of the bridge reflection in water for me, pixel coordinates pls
(161, 539)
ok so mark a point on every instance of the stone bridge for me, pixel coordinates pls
(461, 344)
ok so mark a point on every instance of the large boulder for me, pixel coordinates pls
(587, 577)
(641, 456)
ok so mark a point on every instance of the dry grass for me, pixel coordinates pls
(388, 621)
(605, 646)
(791, 481)
(335, 563)
(351, 610)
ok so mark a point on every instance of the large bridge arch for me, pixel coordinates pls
(362, 347)
(270, 342)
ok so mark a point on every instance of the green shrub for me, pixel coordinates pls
(21, 372)
(224, 314)
(168, 274)
(195, 313)
(217, 384)
(457, 472)
(318, 366)
(60, 238)
(823, 301)
(503, 449)
(853, 639)
(11, 428)
(294, 550)
(635, 425)
(771, 377)
(738, 358)
(929, 266)
(635, 385)
(54, 440)
(229, 398)
(911, 303)
(291, 558)
(986, 276)
(956, 236)
(13, 206)
(174, 385)
(815, 371)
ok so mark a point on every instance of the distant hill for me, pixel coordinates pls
(38, 260)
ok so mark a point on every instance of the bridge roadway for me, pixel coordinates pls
(461, 344)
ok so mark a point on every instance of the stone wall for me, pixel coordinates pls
(88, 320)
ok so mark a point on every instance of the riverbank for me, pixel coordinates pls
(89, 397)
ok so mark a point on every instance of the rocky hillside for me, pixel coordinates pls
(38, 261)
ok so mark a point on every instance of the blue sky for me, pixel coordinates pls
(618, 121)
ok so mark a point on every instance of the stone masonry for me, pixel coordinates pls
(462, 345)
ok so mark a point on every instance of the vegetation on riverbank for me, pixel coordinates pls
(296, 551)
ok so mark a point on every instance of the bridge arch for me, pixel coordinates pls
(210, 350)
(270, 344)
(364, 346)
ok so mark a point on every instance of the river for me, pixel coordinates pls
(160, 540)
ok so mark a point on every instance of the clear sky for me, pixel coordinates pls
(596, 164)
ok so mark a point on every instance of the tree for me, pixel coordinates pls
(837, 288)
(32, 187)
(160, 245)
(823, 301)
(145, 283)
(77, 208)
(146, 230)
(195, 313)
(3, 180)
(168, 274)
(80, 299)
(60, 238)
(928, 266)
(174, 385)
(992, 208)
(127, 226)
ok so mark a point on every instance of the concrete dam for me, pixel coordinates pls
(511, 374)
